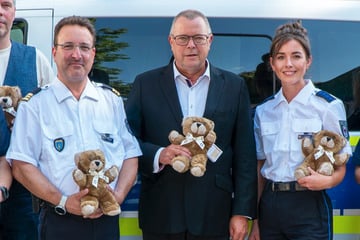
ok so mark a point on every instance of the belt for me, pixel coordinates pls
(285, 186)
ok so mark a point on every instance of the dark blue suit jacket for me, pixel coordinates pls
(171, 202)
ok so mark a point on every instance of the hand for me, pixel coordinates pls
(238, 227)
(171, 151)
(315, 181)
(73, 202)
(255, 231)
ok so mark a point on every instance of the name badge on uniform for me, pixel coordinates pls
(305, 134)
(214, 153)
(107, 137)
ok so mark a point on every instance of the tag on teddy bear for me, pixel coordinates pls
(214, 153)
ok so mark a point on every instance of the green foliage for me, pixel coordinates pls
(108, 49)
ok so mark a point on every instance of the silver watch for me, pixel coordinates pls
(60, 208)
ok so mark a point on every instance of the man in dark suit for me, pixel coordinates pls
(176, 205)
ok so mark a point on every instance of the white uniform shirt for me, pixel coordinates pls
(45, 73)
(53, 119)
(279, 127)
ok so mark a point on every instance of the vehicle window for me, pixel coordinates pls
(18, 31)
(129, 46)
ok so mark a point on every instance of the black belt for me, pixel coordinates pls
(285, 186)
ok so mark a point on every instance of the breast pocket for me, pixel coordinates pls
(58, 139)
(306, 125)
(269, 133)
(108, 136)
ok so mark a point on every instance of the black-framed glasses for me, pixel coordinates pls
(83, 47)
(183, 40)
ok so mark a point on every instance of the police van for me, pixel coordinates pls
(132, 38)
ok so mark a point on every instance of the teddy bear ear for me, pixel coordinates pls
(77, 158)
(18, 91)
(343, 141)
(99, 153)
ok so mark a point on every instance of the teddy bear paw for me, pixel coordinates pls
(78, 175)
(173, 135)
(114, 172)
(299, 173)
(87, 210)
(197, 172)
(179, 166)
(114, 212)
(307, 142)
(326, 169)
(343, 157)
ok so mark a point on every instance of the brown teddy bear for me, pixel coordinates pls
(322, 154)
(91, 174)
(198, 137)
(9, 101)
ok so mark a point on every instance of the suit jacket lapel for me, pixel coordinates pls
(215, 91)
(167, 84)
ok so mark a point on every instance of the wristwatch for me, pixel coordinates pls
(60, 208)
(5, 192)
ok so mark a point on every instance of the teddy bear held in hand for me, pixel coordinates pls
(198, 137)
(322, 154)
(9, 101)
(91, 174)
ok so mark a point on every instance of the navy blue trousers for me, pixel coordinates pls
(72, 227)
(295, 215)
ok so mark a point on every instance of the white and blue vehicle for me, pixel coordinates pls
(132, 38)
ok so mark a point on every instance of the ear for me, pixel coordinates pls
(309, 61)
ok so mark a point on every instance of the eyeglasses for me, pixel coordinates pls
(183, 40)
(85, 48)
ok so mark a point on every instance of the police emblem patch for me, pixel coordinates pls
(59, 144)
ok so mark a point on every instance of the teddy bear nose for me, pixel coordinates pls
(4, 100)
(198, 124)
(97, 163)
(328, 138)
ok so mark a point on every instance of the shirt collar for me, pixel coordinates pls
(62, 92)
(178, 75)
(302, 97)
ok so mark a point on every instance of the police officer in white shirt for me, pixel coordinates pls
(290, 209)
(70, 116)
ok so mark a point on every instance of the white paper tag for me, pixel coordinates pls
(214, 153)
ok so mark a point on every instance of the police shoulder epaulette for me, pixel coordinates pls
(325, 95)
(268, 98)
(30, 94)
(105, 86)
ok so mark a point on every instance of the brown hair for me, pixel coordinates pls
(75, 20)
(287, 32)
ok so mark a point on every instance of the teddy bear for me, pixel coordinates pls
(10, 97)
(198, 136)
(91, 174)
(322, 154)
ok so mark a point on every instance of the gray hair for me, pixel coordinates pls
(191, 14)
